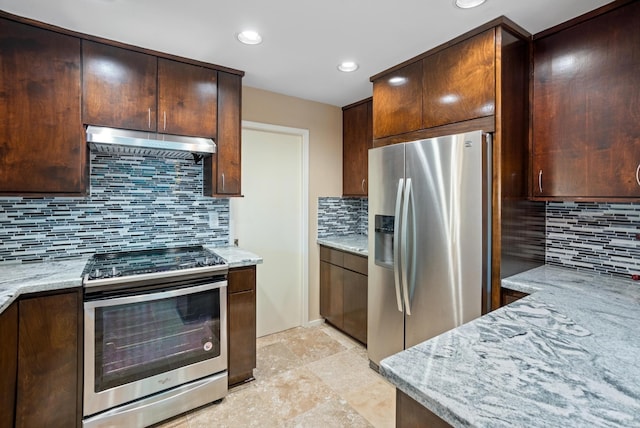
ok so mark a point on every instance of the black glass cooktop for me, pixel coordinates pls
(131, 263)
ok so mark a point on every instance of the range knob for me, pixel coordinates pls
(97, 273)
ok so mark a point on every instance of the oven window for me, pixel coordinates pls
(138, 340)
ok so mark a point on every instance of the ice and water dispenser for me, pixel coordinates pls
(384, 225)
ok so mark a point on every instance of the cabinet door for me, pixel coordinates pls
(47, 390)
(222, 170)
(355, 305)
(357, 139)
(187, 99)
(8, 364)
(42, 147)
(118, 87)
(586, 130)
(241, 309)
(397, 101)
(331, 293)
(459, 82)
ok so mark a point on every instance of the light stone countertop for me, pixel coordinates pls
(23, 278)
(355, 243)
(17, 278)
(235, 256)
(567, 355)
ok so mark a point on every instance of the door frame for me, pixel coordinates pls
(304, 232)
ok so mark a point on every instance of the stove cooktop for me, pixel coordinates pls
(134, 263)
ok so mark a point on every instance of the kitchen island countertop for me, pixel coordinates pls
(23, 278)
(354, 243)
(567, 355)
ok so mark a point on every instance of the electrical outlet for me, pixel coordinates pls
(214, 220)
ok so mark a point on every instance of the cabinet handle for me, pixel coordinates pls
(638, 174)
(165, 121)
(540, 180)
(364, 180)
(149, 118)
(223, 182)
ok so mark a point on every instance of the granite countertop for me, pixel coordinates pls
(24, 278)
(17, 278)
(356, 244)
(567, 355)
(235, 256)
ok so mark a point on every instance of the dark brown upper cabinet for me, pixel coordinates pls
(42, 149)
(397, 101)
(459, 82)
(187, 99)
(118, 87)
(586, 99)
(222, 170)
(133, 90)
(357, 139)
(477, 81)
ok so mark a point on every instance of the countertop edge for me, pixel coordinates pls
(354, 244)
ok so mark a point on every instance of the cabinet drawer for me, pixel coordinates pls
(332, 256)
(356, 263)
(241, 279)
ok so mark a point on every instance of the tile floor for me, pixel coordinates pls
(305, 377)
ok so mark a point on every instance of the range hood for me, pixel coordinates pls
(139, 143)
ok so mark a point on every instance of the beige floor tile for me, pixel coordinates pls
(344, 372)
(376, 402)
(241, 408)
(332, 414)
(274, 359)
(294, 392)
(312, 344)
(346, 341)
(276, 337)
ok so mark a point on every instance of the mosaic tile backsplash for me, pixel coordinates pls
(598, 237)
(135, 203)
(342, 216)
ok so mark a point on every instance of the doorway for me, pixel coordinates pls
(271, 221)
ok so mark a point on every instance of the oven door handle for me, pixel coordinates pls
(167, 294)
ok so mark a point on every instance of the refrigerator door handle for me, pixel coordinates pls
(403, 254)
(396, 243)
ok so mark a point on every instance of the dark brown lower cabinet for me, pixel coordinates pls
(49, 355)
(411, 414)
(8, 364)
(241, 329)
(331, 293)
(343, 291)
(510, 296)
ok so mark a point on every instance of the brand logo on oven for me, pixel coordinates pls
(165, 380)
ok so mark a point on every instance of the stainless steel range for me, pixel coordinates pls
(155, 335)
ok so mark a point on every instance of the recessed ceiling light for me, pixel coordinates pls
(468, 4)
(348, 66)
(250, 37)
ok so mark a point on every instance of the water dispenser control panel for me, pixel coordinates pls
(384, 228)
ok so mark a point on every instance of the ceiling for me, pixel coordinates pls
(303, 40)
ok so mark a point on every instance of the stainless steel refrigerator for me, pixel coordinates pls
(429, 234)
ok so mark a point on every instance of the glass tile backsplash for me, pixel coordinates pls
(135, 203)
(342, 216)
(601, 237)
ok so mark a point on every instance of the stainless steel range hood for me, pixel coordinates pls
(138, 143)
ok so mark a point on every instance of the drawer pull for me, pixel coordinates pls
(540, 180)
(638, 174)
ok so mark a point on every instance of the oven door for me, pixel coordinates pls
(140, 344)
